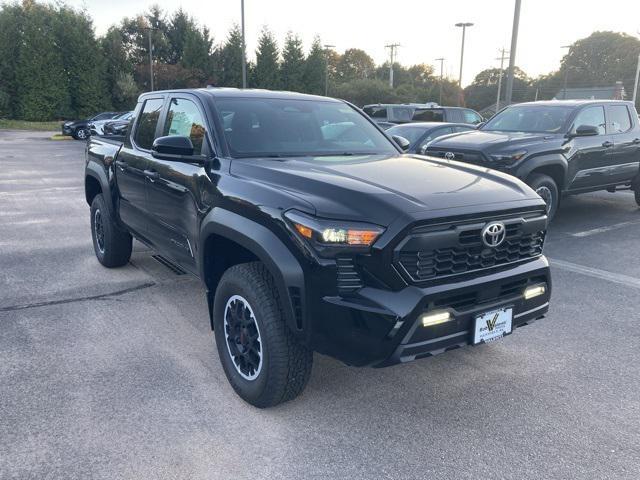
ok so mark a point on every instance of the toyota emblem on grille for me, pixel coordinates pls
(493, 234)
(449, 155)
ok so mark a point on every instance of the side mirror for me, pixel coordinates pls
(402, 142)
(585, 131)
(173, 147)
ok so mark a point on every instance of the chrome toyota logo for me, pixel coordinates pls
(493, 234)
(449, 155)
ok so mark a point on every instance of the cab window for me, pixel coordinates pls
(184, 119)
(591, 116)
(146, 128)
(619, 120)
(471, 117)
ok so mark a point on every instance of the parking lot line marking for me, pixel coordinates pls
(597, 273)
(595, 231)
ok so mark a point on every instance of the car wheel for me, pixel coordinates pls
(636, 194)
(263, 361)
(546, 187)
(81, 134)
(111, 244)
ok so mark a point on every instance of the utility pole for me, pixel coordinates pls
(326, 68)
(502, 57)
(635, 84)
(464, 26)
(512, 51)
(392, 55)
(441, 60)
(244, 48)
(566, 74)
(150, 29)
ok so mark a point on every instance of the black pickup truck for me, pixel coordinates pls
(558, 147)
(312, 231)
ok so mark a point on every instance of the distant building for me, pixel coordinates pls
(613, 92)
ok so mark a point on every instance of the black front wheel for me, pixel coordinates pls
(546, 187)
(263, 361)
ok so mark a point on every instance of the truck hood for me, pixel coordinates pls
(488, 141)
(379, 188)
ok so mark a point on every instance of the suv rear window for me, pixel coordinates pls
(146, 129)
(376, 112)
(428, 115)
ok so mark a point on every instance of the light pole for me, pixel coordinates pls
(392, 52)
(464, 26)
(512, 52)
(244, 48)
(566, 74)
(326, 68)
(502, 57)
(441, 60)
(635, 84)
(150, 29)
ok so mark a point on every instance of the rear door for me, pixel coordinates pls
(589, 157)
(174, 189)
(132, 165)
(625, 155)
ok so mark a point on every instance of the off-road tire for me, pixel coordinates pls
(547, 188)
(113, 246)
(286, 362)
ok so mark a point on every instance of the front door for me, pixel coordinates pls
(625, 156)
(174, 192)
(589, 157)
(132, 164)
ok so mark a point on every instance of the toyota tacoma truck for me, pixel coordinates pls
(558, 147)
(312, 231)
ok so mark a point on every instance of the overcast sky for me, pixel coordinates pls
(425, 29)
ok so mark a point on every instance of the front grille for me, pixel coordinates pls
(461, 156)
(457, 249)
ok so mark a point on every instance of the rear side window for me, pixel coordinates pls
(592, 117)
(456, 116)
(619, 120)
(401, 114)
(184, 119)
(429, 115)
(146, 129)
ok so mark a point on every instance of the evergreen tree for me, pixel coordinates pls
(266, 71)
(42, 83)
(292, 69)
(314, 69)
(117, 67)
(11, 24)
(231, 59)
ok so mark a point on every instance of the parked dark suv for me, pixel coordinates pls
(557, 147)
(312, 231)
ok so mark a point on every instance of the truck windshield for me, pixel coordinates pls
(266, 127)
(531, 119)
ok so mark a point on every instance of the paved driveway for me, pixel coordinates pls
(110, 374)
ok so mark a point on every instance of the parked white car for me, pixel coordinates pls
(97, 127)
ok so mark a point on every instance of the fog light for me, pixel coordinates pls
(534, 291)
(435, 318)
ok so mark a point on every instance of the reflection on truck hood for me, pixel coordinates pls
(380, 188)
(480, 140)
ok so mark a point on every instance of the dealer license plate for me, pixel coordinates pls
(493, 325)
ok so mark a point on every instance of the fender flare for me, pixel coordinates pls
(553, 159)
(98, 173)
(270, 250)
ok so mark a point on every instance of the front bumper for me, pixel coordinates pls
(380, 328)
(67, 130)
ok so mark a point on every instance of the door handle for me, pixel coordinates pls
(122, 165)
(607, 144)
(636, 141)
(151, 175)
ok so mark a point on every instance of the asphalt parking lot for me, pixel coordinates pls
(114, 374)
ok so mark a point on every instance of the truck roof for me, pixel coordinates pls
(227, 92)
(570, 103)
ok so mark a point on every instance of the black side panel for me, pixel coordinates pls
(263, 243)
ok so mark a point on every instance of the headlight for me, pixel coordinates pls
(329, 237)
(509, 157)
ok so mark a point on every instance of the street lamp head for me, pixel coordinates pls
(464, 24)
